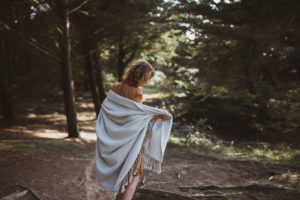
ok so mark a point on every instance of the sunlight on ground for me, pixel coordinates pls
(41, 133)
(288, 178)
(49, 117)
(84, 116)
(18, 130)
(90, 137)
(50, 134)
(34, 145)
(85, 104)
(86, 124)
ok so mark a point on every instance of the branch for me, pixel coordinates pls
(30, 42)
(77, 7)
(130, 58)
(255, 187)
(235, 33)
(43, 3)
(145, 193)
(224, 14)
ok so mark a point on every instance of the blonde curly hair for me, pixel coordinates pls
(138, 71)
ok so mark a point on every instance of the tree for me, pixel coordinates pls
(63, 11)
(138, 25)
(54, 15)
(246, 48)
(12, 20)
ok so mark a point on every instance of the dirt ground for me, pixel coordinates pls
(35, 153)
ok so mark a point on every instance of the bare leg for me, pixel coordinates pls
(130, 188)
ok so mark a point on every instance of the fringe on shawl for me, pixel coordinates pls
(151, 164)
(128, 178)
(148, 163)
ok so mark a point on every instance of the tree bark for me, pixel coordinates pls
(5, 100)
(120, 62)
(92, 81)
(250, 55)
(4, 81)
(67, 77)
(99, 76)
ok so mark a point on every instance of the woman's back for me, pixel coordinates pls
(138, 74)
(135, 94)
(130, 92)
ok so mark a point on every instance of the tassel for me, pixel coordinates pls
(128, 178)
(115, 195)
(148, 163)
(151, 164)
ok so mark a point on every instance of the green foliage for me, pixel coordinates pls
(235, 63)
(285, 113)
(193, 133)
(209, 146)
(243, 55)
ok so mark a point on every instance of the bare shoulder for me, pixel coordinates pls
(139, 95)
(115, 85)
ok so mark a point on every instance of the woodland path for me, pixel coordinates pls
(35, 154)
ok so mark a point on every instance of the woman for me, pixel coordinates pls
(138, 74)
(130, 135)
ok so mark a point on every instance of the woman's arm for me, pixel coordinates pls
(164, 117)
(139, 99)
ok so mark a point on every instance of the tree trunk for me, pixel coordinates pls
(250, 52)
(120, 62)
(4, 81)
(28, 65)
(250, 83)
(99, 77)
(86, 85)
(67, 79)
(92, 81)
(5, 99)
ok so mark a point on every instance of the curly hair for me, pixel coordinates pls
(138, 71)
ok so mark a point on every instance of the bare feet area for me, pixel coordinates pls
(37, 161)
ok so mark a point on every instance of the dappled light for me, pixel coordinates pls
(227, 70)
(262, 152)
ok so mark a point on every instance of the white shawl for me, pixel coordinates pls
(123, 127)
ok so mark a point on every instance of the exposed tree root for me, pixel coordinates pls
(150, 194)
(17, 192)
(256, 187)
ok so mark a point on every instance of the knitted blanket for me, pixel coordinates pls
(124, 133)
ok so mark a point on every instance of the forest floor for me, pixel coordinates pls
(35, 154)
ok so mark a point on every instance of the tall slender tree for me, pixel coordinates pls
(63, 11)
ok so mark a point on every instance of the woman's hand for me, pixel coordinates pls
(163, 117)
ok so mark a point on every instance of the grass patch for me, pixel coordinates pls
(230, 151)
